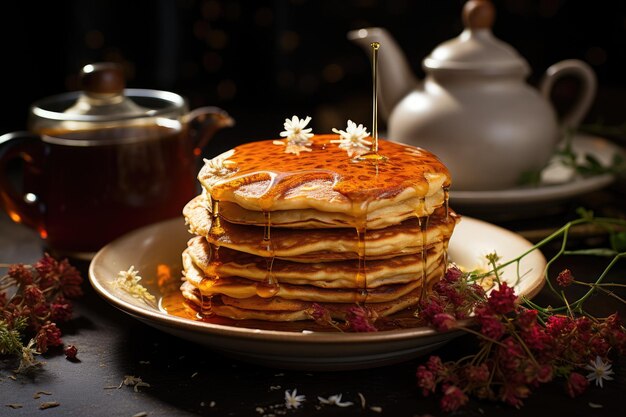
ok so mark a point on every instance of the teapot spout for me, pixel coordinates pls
(396, 78)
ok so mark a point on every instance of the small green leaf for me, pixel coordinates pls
(584, 213)
(618, 241)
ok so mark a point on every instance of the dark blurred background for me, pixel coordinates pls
(263, 61)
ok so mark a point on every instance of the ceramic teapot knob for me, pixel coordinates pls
(103, 78)
(478, 14)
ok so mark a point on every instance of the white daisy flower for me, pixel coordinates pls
(129, 282)
(220, 166)
(600, 371)
(335, 400)
(297, 135)
(295, 130)
(353, 139)
(292, 399)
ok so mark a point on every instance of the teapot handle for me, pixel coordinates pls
(27, 147)
(204, 122)
(589, 83)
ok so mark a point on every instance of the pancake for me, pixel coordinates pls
(241, 288)
(277, 233)
(280, 310)
(238, 287)
(324, 244)
(315, 219)
(260, 177)
(338, 274)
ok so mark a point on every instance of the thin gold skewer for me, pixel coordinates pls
(375, 46)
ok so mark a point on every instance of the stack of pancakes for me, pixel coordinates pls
(277, 233)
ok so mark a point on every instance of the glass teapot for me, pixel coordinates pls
(100, 162)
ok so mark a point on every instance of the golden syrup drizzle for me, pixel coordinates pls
(423, 224)
(215, 231)
(269, 287)
(360, 278)
(361, 273)
(446, 201)
(373, 154)
(375, 47)
(267, 230)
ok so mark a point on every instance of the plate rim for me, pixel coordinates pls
(156, 316)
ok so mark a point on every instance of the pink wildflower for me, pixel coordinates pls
(477, 374)
(33, 295)
(358, 319)
(490, 325)
(502, 299)
(426, 380)
(576, 384)
(526, 318)
(443, 322)
(61, 310)
(48, 335)
(435, 365)
(453, 398)
(565, 278)
(20, 273)
(453, 274)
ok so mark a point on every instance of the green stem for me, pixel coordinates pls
(564, 232)
(534, 306)
(554, 258)
(615, 259)
(528, 352)
(607, 292)
(474, 332)
(482, 353)
(466, 358)
(607, 284)
(569, 309)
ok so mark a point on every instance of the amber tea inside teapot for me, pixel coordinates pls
(474, 108)
(103, 161)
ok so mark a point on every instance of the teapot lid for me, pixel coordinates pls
(476, 48)
(103, 93)
(104, 99)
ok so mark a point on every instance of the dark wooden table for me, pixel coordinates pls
(188, 379)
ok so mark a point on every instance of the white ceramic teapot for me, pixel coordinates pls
(474, 109)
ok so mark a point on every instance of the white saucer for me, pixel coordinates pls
(162, 244)
(557, 182)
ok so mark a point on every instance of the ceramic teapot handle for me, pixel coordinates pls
(589, 83)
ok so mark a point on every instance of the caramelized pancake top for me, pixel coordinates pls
(261, 176)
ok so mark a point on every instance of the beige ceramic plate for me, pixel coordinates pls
(162, 243)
